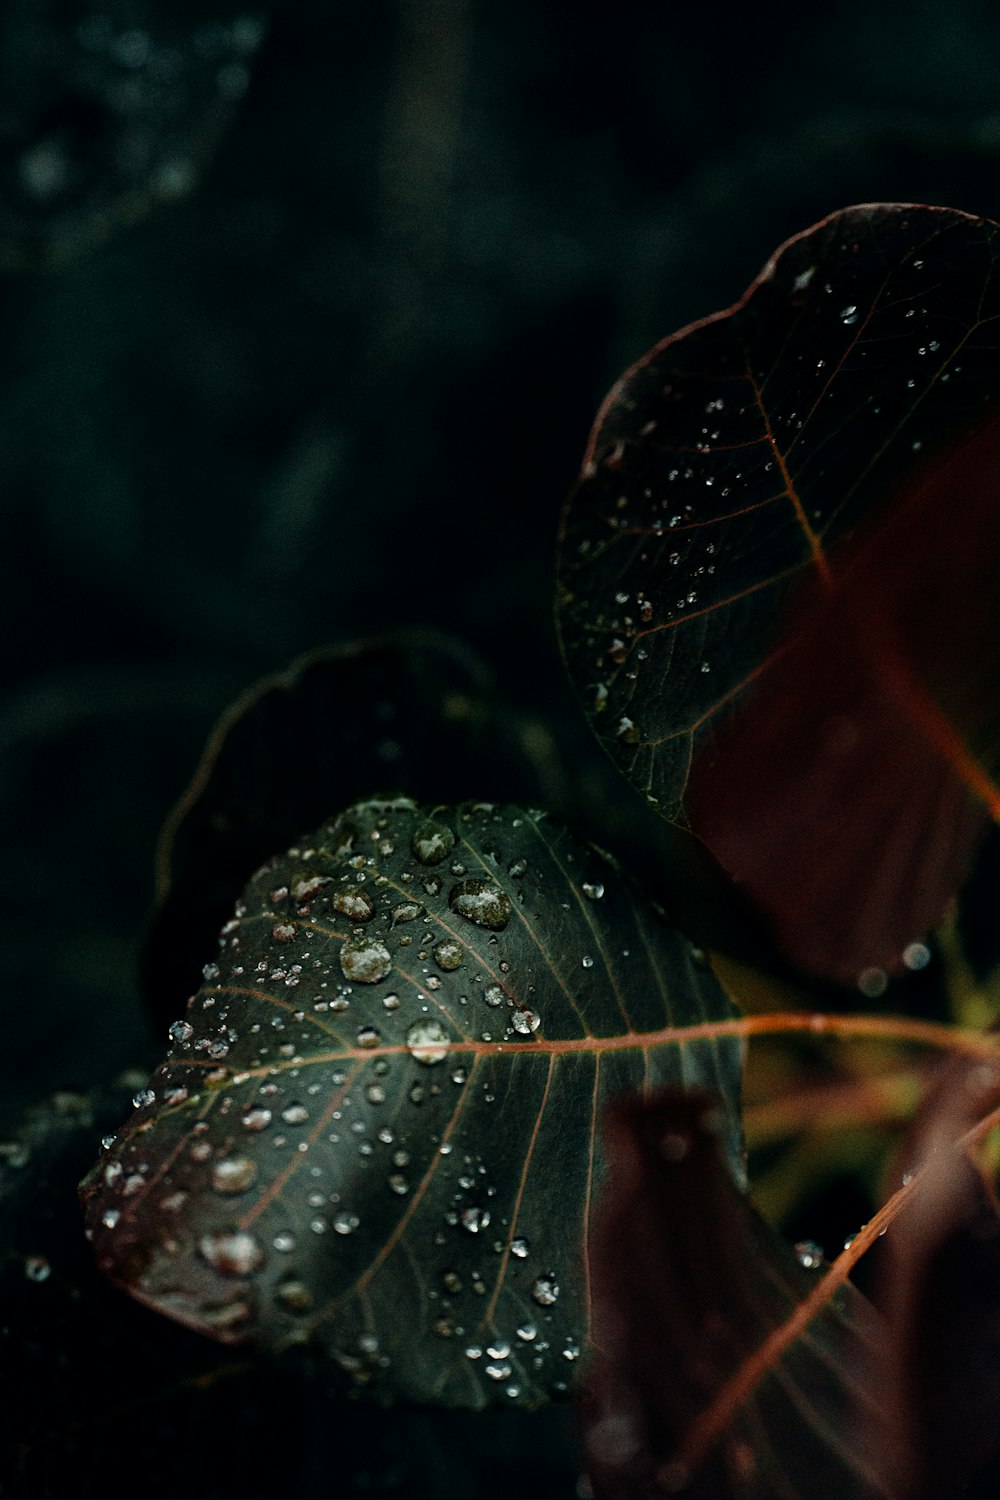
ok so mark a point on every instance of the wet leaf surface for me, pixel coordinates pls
(92, 1383)
(375, 1130)
(412, 712)
(778, 588)
(688, 1284)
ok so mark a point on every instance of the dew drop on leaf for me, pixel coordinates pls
(809, 1254)
(526, 1021)
(449, 955)
(481, 902)
(355, 905)
(364, 959)
(428, 1041)
(406, 911)
(234, 1174)
(432, 842)
(545, 1290)
(257, 1118)
(294, 1295)
(232, 1252)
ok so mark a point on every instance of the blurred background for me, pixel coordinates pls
(305, 318)
(306, 314)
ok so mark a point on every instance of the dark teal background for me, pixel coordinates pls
(344, 381)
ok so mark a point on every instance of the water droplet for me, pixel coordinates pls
(406, 911)
(353, 904)
(527, 1332)
(526, 1021)
(873, 982)
(517, 868)
(345, 1223)
(294, 1295)
(449, 955)
(474, 1219)
(364, 959)
(284, 1242)
(593, 890)
(809, 1254)
(916, 955)
(498, 1369)
(143, 1098)
(110, 1217)
(849, 315)
(428, 1041)
(283, 932)
(37, 1268)
(181, 1031)
(587, 961)
(210, 973)
(493, 995)
(482, 902)
(232, 1252)
(295, 1114)
(398, 1183)
(545, 1290)
(519, 1248)
(571, 1350)
(369, 1037)
(432, 842)
(234, 1174)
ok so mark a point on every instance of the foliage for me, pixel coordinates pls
(454, 1117)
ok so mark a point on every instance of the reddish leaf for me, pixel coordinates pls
(939, 1369)
(375, 1129)
(688, 1284)
(850, 792)
(837, 757)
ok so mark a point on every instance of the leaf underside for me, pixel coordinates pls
(375, 1130)
(688, 1283)
(729, 475)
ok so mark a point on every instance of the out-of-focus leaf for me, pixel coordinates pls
(939, 1270)
(688, 1284)
(375, 1130)
(740, 466)
(107, 115)
(414, 712)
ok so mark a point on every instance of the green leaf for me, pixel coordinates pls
(728, 459)
(375, 1130)
(778, 587)
(414, 709)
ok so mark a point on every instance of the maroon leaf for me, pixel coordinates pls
(827, 440)
(375, 1129)
(689, 1285)
(939, 1369)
